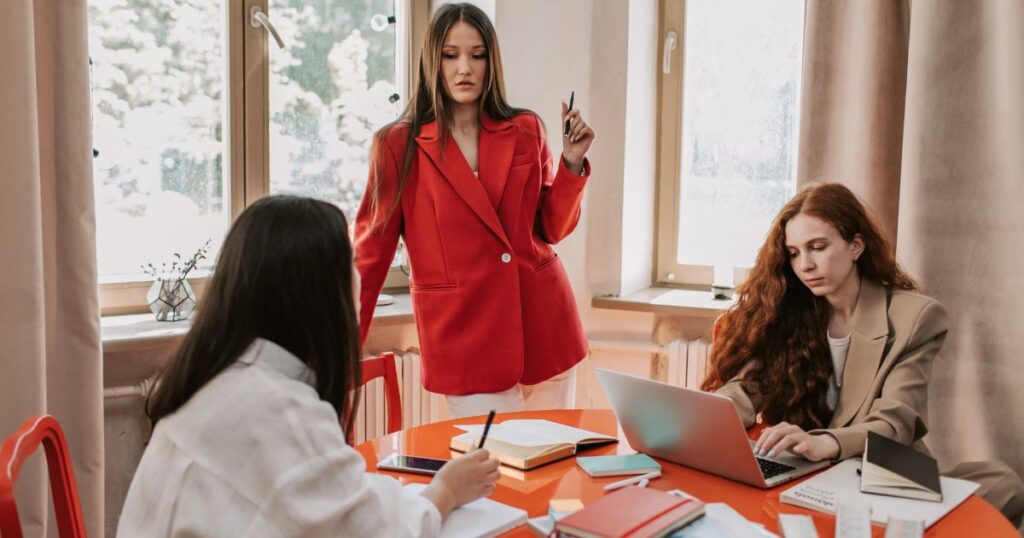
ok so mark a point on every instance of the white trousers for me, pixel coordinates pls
(559, 392)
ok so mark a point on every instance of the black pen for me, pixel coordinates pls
(490, 418)
(571, 97)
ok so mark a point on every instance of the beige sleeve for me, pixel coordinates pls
(747, 404)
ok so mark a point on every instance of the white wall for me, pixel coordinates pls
(607, 52)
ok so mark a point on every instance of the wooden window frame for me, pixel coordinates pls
(668, 271)
(247, 160)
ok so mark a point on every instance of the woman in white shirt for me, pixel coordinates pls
(247, 438)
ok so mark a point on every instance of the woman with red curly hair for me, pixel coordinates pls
(830, 339)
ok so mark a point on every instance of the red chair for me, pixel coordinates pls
(16, 449)
(384, 366)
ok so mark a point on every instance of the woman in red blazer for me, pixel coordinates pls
(468, 182)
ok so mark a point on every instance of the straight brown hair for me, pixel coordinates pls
(284, 274)
(430, 99)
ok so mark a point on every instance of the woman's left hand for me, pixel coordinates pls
(577, 142)
(785, 436)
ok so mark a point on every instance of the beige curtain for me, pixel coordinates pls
(49, 316)
(920, 108)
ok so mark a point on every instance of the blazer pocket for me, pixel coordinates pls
(545, 263)
(431, 287)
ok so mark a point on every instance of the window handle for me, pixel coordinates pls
(258, 18)
(666, 58)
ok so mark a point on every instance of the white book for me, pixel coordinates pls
(823, 491)
(480, 518)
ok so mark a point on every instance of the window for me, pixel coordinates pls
(196, 114)
(730, 104)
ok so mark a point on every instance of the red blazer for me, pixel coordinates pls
(492, 303)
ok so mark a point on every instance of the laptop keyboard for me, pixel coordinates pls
(772, 469)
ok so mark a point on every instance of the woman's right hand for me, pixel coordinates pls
(463, 480)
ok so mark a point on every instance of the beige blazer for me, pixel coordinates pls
(896, 334)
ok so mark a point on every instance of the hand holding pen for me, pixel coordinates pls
(576, 137)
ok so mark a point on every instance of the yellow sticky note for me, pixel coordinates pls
(565, 505)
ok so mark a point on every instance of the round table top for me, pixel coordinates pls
(531, 490)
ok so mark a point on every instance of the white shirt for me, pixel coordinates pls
(256, 452)
(839, 347)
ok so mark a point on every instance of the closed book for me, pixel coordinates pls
(525, 444)
(891, 468)
(598, 466)
(632, 512)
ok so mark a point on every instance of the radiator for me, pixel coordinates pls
(686, 363)
(419, 406)
(679, 362)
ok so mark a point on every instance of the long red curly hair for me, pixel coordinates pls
(774, 338)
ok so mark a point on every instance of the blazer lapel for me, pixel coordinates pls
(455, 169)
(497, 144)
(867, 344)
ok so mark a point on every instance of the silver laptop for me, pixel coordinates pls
(696, 429)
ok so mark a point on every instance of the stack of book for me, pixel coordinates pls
(632, 512)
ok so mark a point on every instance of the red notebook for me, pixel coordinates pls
(632, 512)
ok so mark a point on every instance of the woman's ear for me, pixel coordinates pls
(857, 245)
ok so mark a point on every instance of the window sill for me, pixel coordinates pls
(669, 301)
(141, 330)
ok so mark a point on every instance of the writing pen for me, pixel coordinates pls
(487, 426)
(571, 97)
(633, 480)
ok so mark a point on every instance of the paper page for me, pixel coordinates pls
(532, 433)
(822, 490)
(482, 517)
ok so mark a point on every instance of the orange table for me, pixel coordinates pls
(531, 490)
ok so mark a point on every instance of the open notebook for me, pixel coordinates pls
(841, 483)
(525, 444)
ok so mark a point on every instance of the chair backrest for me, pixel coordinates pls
(384, 366)
(16, 449)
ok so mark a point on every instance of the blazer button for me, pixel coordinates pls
(506, 257)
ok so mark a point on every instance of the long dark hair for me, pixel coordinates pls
(430, 99)
(782, 325)
(284, 274)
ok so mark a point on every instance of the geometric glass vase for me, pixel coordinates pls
(171, 300)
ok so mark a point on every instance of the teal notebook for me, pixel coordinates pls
(618, 465)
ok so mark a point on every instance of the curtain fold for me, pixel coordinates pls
(49, 314)
(918, 108)
(852, 98)
(961, 217)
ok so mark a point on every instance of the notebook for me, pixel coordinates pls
(525, 444)
(891, 468)
(632, 512)
(482, 517)
(598, 466)
(821, 492)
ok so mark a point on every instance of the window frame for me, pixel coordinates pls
(247, 156)
(668, 272)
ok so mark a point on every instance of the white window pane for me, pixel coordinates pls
(329, 92)
(741, 87)
(157, 87)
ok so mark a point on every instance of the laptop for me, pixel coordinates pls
(696, 429)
